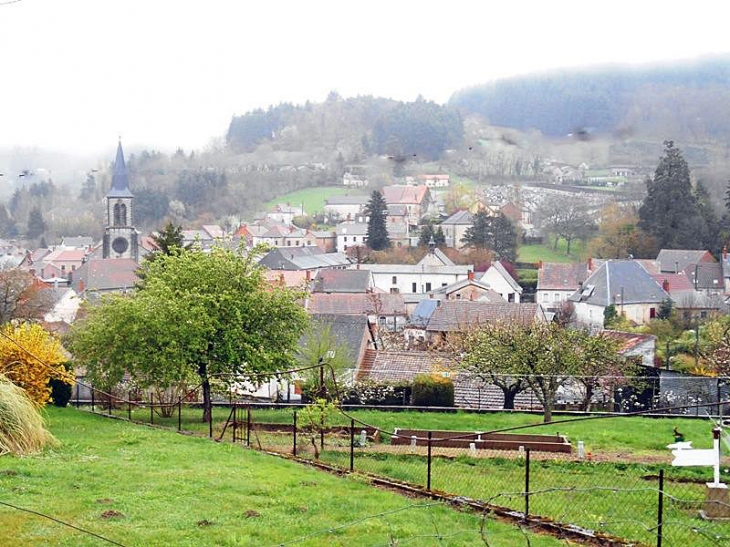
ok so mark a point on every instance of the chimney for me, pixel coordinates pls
(724, 252)
(590, 264)
(357, 266)
(470, 275)
(281, 279)
(308, 275)
(665, 285)
(81, 286)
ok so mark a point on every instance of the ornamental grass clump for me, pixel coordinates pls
(22, 428)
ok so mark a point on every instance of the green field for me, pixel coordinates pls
(545, 253)
(313, 198)
(146, 487)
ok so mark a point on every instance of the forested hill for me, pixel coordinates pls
(689, 102)
(353, 126)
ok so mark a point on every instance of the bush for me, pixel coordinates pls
(61, 391)
(432, 390)
(22, 429)
(370, 392)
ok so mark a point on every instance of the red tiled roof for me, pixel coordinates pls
(357, 304)
(404, 194)
(677, 282)
(556, 276)
(456, 315)
(629, 340)
(394, 366)
(288, 278)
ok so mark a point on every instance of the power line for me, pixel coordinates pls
(54, 519)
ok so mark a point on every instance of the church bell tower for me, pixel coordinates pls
(120, 236)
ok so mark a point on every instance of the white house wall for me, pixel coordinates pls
(500, 285)
(405, 281)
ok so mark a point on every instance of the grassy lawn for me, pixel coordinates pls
(636, 435)
(313, 198)
(536, 253)
(146, 487)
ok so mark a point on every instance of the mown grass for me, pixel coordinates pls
(614, 434)
(168, 489)
(312, 198)
(546, 253)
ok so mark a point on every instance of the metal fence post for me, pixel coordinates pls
(295, 433)
(179, 414)
(109, 399)
(129, 406)
(248, 426)
(152, 410)
(235, 420)
(660, 510)
(352, 445)
(92, 399)
(428, 463)
(527, 482)
(78, 391)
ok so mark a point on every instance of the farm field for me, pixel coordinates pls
(146, 487)
(313, 198)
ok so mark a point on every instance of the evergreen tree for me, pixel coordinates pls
(504, 242)
(479, 233)
(493, 232)
(426, 235)
(169, 239)
(439, 237)
(377, 210)
(36, 224)
(670, 212)
(707, 212)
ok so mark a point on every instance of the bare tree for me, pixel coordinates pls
(22, 296)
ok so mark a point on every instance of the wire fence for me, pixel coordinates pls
(535, 479)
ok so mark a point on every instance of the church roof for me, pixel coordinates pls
(120, 178)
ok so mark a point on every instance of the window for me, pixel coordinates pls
(395, 280)
(703, 314)
(381, 320)
(444, 284)
(345, 239)
(394, 290)
(428, 287)
(73, 267)
(652, 313)
(414, 288)
(545, 296)
(297, 243)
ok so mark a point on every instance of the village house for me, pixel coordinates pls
(499, 279)
(347, 207)
(458, 316)
(434, 181)
(556, 282)
(468, 289)
(416, 199)
(354, 181)
(624, 284)
(98, 276)
(431, 273)
(384, 310)
(677, 260)
(302, 258)
(343, 281)
(285, 213)
(350, 234)
(455, 228)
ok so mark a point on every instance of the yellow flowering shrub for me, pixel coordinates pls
(29, 357)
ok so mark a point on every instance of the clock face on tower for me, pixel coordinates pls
(120, 245)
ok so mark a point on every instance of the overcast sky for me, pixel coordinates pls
(76, 74)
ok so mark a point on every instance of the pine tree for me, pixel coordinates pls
(670, 212)
(493, 232)
(36, 224)
(708, 214)
(439, 237)
(479, 233)
(426, 234)
(377, 234)
(504, 243)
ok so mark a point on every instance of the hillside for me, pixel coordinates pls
(688, 102)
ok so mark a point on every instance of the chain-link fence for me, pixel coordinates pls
(534, 478)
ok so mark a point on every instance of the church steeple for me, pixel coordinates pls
(120, 177)
(120, 236)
